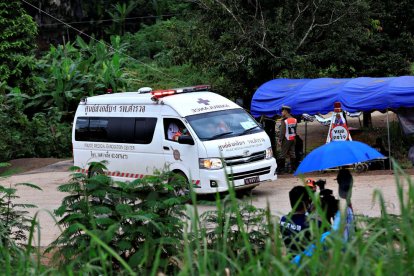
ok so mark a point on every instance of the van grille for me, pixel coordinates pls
(245, 174)
(241, 159)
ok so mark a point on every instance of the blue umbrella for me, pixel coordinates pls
(335, 154)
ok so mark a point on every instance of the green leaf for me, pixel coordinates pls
(104, 221)
(123, 209)
(33, 186)
(124, 245)
(102, 210)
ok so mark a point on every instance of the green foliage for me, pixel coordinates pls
(17, 255)
(381, 245)
(140, 228)
(18, 260)
(120, 13)
(224, 233)
(75, 70)
(41, 136)
(17, 42)
(14, 219)
(249, 43)
(140, 221)
(162, 53)
(39, 124)
(172, 76)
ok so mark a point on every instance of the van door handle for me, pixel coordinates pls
(166, 148)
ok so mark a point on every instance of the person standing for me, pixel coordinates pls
(287, 137)
(345, 183)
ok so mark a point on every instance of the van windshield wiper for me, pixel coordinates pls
(219, 135)
(249, 129)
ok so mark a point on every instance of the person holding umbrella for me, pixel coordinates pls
(331, 155)
(287, 137)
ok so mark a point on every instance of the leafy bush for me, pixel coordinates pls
(41, 136)
(224, 227)
(138, 228)
(15, 225)
(17, 44)
(162, 58)
(14, 220)
(75, 70)
(39, 124)
(141, 221)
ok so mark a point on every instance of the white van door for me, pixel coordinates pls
(180, 156)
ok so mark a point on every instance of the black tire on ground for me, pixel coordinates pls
(180, 176)
(245, 192)
(93, 171)
(359, 168)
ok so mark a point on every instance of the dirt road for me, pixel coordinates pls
(273, 193)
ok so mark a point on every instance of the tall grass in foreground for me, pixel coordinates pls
(234, 239)
(382, 245)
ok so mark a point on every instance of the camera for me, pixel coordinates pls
(321, 184)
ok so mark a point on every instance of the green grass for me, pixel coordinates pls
(239, 239)
(10, 172)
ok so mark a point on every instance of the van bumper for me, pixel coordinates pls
(243, 176)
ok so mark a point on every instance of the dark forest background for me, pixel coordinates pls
(47, 66)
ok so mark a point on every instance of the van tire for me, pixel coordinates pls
(179, 176)
(94, 171)
(245, 192)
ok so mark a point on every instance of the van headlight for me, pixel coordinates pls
(269, 153)
(210, 163)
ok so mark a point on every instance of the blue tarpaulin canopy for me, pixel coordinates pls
(314, 96)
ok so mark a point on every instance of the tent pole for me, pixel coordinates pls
(306, 136)
(389, 139)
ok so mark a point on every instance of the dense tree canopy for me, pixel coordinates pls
(17, 42)
(249, 42)
(254, 41)
(235, 45)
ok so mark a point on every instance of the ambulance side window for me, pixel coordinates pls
(121, 130)
(172, 127)
(98, 129)
(115, 129)
(82, 129)
(144, 130)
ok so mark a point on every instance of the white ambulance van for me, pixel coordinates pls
(192, 132)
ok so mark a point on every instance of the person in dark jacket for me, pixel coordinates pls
(294, 225)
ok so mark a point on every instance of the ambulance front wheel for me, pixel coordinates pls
(246, 191)
(94, 171)
(180, 182)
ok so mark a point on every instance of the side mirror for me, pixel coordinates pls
(186, 140)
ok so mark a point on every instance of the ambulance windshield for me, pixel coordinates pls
(223, 124)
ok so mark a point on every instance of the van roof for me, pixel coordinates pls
(185, 104)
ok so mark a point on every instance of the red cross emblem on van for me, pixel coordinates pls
(201, 101)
